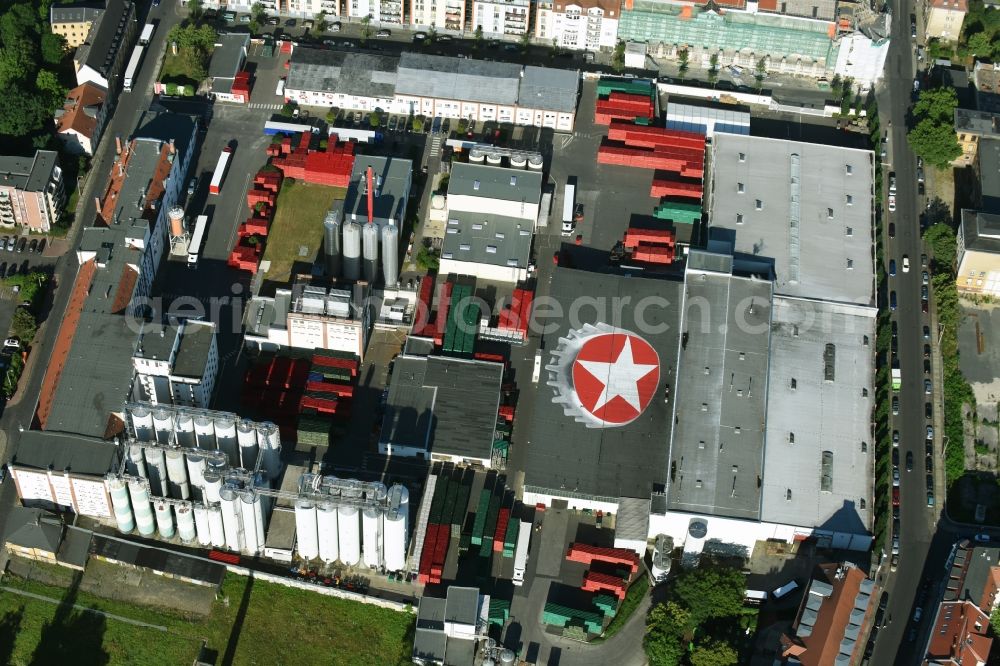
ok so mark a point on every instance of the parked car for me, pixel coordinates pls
(383, 33)
(895, 457)
(920, 189)
(928, 411)
(895, 405)
(273, 20)
(894, 562)
(22, 244)
(892, 268)
(41, 246)
(12, 270)
(290, 23)
(895, 496)
(928, 387)
(895, 438)
(924, 306)
(892, 230)
(895, 476)
(923, 261)
(925, 278)
(927, 351)
(927, 332)
(308, 24)
(32, 245)
(892, 183)
(906, 263)
(927, 366)
(930, 498)
(924, 292)
(892, 300)
(11, 243)
(892, 203)
(930, 481)
(192, 186)
(982, 538)
(909, 461)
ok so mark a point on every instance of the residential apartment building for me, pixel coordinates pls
(102, 57)
(971, 127)
(501, 19)
(583, 25)
(74, 22)
(447, 15)
(80, 122)
(944, 18)
(177, 364)
(381, 12)
(31, 191)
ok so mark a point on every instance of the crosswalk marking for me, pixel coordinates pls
(258, 105)
(435, 146)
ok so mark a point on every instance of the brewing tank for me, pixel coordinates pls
(331, 242)
(349, 534)
(142, 423)
(156, 468)
(216, 526)
(231, 518)
(141, 507)
(164, 519)
(352, 252)
(390, 255)
(305, 530)
(163, 425)
(327, 529)
(185, 431)
(202, 525)
(371, 537)
(269, 437)
(213, 484)
(369, 243)
(122, 505)
(136, 464)
(186, 528)
(247, 437)
(177, 478)
(250, 514)
(395, 526)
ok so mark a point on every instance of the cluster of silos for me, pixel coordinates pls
(352, 531)
(243, 513)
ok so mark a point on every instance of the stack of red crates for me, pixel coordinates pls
(649, 136)
(494, 358)
(241, 86)
(518, 315)
(444, 305)
(667, 184)
(506, 412)
(594, 581)
(688, 162)
(503, 518)
(332, 166)
(585, 553)
(422, 325)
(275, 386)
(245, 257)
(434, 553)
(623, 106)
(324, 396)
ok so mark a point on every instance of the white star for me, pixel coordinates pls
(620, 377)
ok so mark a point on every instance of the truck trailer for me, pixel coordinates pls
(215, 186)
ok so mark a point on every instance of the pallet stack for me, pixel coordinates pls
(503, 520)
(517, 317)
(586, 554)
(624, 99)
(650, 246)
(563, 616)
(606, 603)
(463, 323)
(510, 537)
(499, 611)
(594, 581)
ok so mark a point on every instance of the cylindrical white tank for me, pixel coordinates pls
(202, 526)
(518, 161)
(204, 430)
(231, 518)
(331, 244)
(186, 528)
(438, 201)
(390, 254)
(213, 484)
(306, 540)
(369, 249)
(395, 526)
(141, 508)
(122, 504)
(196, 474)
(156, 469)
(142, 423)
(269, 437)
(176, 217)
(536, 163)
(216, 527)
(163, 424)
(246, 434)
(326, 527)
(225, 438)
(477, 156)
(177, 475)
(371, 537)
(352, 251)
(248, 499)
(507, 658)
(185, 431)
(494, 158)
(349, 534)
(164, 519)
(136, 465)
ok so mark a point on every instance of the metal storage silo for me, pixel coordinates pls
(507, 658)
(352, 251)
(477, 156)
(231, 518)
(196, 474)
(306, 539)
(163, 425)
(136, 465)
(535, 163)
(349, 534)
(331, 242)
(494, 159)
(246, 434)
(216, 527)
(390, 255)
(369, 249)
(225, 439)
(156, 468)
(177, 475)
(142, 423)
(121, 503)
(326, 527)
(186, 529)
(518, 162)
(249, 516)
(164, 519)
(202, 525)
(141, 508)
(204, 430)
(269, 438)
(185, 431)
(395, 525)
(371, 536)
(213, 484)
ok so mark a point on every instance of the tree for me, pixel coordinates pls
(683, 60)
(836, 85)
(937, 104)
(53, 48)
(321, 23)
(981, 45)
(23, 113)
(288, 109)
(478, 35)
(709, 592)
(427, 259)
(760, 73)
(713, 69)
(17, 64)
(257, 17)
(196, 10)
(525, 40)
(940, 238)
(618, 57)
(23, 325)
(331, 115)
(375, 119)
(48, 87)
(665, 628)
(935, 142)
(714, 653)
(366, 28)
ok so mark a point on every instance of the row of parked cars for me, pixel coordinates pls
(22, 244)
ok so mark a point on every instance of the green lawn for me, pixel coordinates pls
(276, 625)
(182, 68)
(298, 221)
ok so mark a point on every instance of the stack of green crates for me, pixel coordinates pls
(460, 331)
(561, 616)
(490, 528)
(681, 213)
(499, 611)
(606, 86)
(313, 430)
(510, 536)
(606, 603)
(461, 504)
(481, 510)
(437, 500)
(464, 542)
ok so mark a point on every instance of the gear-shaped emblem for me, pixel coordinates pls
(603, 376)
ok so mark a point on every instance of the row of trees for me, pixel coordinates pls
(700, 620)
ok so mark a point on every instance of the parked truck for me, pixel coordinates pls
(147, 34)
(215, 186)
(132, 69)
(569, 206)
(521, 552)
(194, 244)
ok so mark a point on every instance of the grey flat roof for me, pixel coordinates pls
(449, 403)
(610, 462)
(41, 450)
(989, 175)
(228, 55)
(264, 312)
(429, 640)
(632, 521)
(75, 549)
(74, 13)
(462, 605)
(156, 342)
(362, 74)
(105, 39)
(549, 89)
(980, 231)
(982, 123)
(716, 453)
(819, 414)
(176, 564)
(31, 174)
(281, 529)
(482, 238)
(495, 182)
(392, 187)
(33, 528)
(197, 338)
(811, 258)
(444, 77)
(982, 561)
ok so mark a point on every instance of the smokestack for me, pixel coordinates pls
(371, 196)
(118, 145)
(97, 203)
(172, 149)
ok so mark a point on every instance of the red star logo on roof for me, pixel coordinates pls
(615, 376)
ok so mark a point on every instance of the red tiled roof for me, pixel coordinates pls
(767, 5)
(955, 635)
(126, 285)
(823, 644)
(74, 117)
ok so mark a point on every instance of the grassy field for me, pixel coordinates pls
(298, 222)
(177, 68)
(251, 623)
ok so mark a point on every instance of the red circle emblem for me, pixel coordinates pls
(615, 376)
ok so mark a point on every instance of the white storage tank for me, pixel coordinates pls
(349, 534)
(494, 159)
(141, 508)
(177, 475)
(121, 503)
(185, 431)
(204, 430)
(249, 516)
(270, 449)
(395, 526)
(225, 438)
(136, 465)
(142, 423)
(202, 525)
(186, 528)
(164, 520)
(213, 484)
(326, 527)
(518, 161)
(369, 250)
(371, 537)
(390, 254)
(231, 518)
(163, 424)
(247, 437)
(535, 163)
(156, 468)
(477, 156)
(331, 242)
(196, 474)
(307, 543)
(352, 252)
(216, 527)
